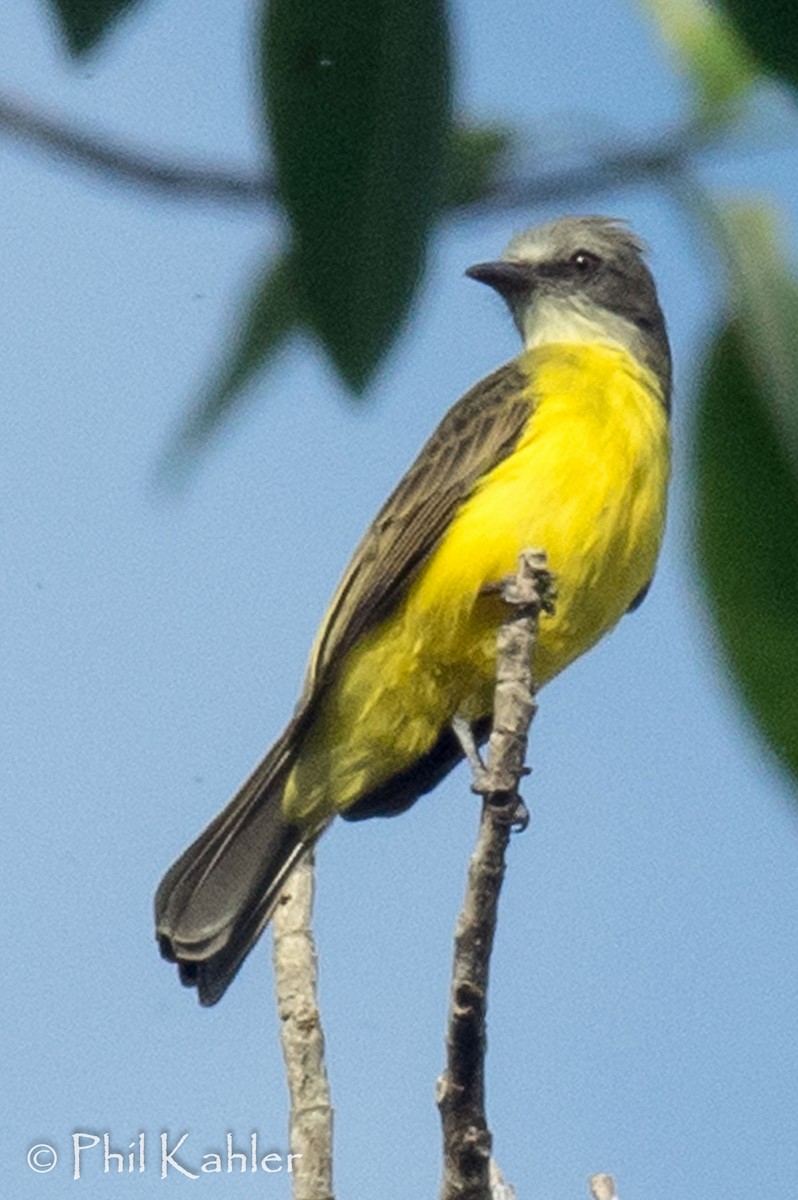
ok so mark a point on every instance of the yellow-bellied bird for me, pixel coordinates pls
(566, 450)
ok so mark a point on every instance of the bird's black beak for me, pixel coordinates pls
(509, 279)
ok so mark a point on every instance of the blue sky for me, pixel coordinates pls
(644, 1002)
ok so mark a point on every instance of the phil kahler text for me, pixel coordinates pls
(174, 1156)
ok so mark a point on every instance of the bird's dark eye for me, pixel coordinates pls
(585, 261)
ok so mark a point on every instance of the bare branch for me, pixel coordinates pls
(602, 1187)
(461, 1089)
(619, 164)
(310, 1128)
(123, 165)
(611, 166)
(499, 1188)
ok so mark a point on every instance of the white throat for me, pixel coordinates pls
(549, 319)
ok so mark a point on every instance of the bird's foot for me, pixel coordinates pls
(500, 793)
(533, 586)
(509, 805)
(465, 736)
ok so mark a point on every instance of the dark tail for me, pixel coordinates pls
(213, 903)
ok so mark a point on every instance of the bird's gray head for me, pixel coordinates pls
(582, 279)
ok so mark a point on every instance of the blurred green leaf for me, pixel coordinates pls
(85, 22)
(473, 163)
(273, 310)
(357, 99)
(770, 29)
(706, 46)
(747, 507)
(765, 300)
(270, 316)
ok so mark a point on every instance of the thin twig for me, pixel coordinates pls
(617, 164)
(310, 1128)
(461, 1089)
(602, 1187)
(121, 164)
(605, 167)
(500, 1189)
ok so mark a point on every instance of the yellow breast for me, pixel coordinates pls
(586, 484)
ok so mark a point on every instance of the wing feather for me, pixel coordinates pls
(474, 436)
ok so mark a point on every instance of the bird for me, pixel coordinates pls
(564, 449)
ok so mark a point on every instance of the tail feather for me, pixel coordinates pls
(214, 902)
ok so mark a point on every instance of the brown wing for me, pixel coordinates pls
(475, 435)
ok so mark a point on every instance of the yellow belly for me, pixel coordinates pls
(587, 484)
